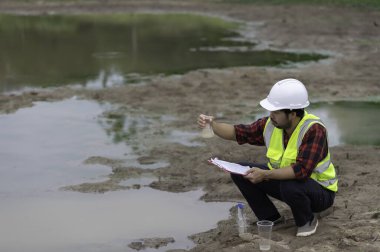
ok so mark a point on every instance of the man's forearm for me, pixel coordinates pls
(280, 174)
(224, 130)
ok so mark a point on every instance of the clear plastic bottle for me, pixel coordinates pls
(241, 220)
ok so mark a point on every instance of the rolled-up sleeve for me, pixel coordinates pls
(312, 150)
(251, 133)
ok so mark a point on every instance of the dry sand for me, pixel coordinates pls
(349, 35)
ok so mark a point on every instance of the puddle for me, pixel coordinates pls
(122, 127)
(67, 142)
(125, 128)
(44, 147)
(355, 123)
(141, 181)
(104, 222)
(52, 145)
(98, 51)
(348, 122)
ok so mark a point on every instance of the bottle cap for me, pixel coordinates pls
(240, 205)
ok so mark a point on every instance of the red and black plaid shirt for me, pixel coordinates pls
(313, 148)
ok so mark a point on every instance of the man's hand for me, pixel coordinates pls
(223, 130)
(203, 120)
(257, 175)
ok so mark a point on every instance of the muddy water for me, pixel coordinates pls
(103, 222)
(44, 148)
(355, 123)
(107, 50)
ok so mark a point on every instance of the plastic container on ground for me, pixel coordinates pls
(241, 220)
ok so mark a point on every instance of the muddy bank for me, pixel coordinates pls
(348, 35)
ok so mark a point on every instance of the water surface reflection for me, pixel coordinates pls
(104, 222)
(46, 147)
(104, 50)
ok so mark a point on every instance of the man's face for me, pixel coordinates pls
(280, 119)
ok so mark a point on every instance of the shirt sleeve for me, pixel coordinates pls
(313, 149)
(251, 133)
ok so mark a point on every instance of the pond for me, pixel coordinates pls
(98, 51)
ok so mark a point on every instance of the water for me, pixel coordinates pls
(265, 232)
(348, 122)
(207, 132)
(98, 51)
(184, 138)
(68, 221)
(264, 247)
(43, 148)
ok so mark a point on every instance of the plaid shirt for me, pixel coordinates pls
(313, 148)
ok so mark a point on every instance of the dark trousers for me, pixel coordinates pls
(304, 197)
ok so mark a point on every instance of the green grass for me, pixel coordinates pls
(370, 4)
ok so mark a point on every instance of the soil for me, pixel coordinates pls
(350, 36)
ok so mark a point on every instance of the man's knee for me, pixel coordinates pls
(291, 190)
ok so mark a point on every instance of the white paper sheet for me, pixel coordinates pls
(230, 167)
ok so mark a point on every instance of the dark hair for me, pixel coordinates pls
(299, 112)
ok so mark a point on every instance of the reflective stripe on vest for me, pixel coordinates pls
(268, 131)
(328, 183)
(324, 173)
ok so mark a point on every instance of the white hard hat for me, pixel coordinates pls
(286, 94)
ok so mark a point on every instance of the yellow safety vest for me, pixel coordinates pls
(324, 173)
